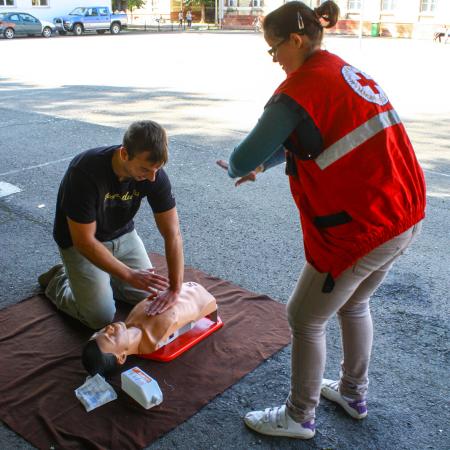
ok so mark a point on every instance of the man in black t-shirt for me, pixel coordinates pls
(103, 257)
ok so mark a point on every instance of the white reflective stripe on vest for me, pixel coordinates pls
(357, 137)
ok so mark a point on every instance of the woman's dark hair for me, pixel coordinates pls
(147, 136)
(95, 361)
(296, 17)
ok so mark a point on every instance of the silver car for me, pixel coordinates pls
(19, 23)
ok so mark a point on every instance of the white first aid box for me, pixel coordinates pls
(142, 387)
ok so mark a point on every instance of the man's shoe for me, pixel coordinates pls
(277, 422)
(355, 408)
(46, 277)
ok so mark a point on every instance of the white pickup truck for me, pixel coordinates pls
(92, 18)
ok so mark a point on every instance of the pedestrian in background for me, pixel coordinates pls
(189, 19)
(180, 19)
(257, 24)
(443, 32)
(361, 196)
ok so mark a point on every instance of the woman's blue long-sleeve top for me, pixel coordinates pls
(263, 145)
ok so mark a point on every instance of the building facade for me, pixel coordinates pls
(394, 18)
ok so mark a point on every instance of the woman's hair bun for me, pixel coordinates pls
(329, 12)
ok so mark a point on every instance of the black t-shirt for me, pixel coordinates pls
(91, 191)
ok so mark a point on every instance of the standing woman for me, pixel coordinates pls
(361, 196)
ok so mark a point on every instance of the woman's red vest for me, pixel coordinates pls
(366, 186)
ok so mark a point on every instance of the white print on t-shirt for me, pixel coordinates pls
(364, 85)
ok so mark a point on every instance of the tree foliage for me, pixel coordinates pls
(135, 4)
(199, 2)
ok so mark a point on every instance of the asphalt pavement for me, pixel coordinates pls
(63, 95)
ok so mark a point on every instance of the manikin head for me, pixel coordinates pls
(143, 152)
(109, 347)
(294, 31)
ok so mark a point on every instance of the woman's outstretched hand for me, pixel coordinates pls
(249, 177)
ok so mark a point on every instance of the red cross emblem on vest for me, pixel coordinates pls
(364, 85)
(363, 81)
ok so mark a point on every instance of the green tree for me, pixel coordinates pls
(135, 4)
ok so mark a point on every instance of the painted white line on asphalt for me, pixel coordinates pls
(35, 167)
(437, 173)
(8, 189)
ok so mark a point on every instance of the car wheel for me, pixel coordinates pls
(101, 31)
(77, 29)
(8, 33)
(115, 28)
(47, 32)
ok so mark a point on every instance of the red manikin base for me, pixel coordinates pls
(202, 329)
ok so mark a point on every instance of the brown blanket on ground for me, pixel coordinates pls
(40, 369)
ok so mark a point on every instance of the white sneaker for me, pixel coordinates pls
(277, 422)
(355, 408)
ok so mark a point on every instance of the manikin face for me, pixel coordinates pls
(139, 168)
(288, 53)
(113, 338)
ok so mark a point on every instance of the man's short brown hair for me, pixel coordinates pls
(147, 136)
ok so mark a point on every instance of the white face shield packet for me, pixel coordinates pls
(95, 392)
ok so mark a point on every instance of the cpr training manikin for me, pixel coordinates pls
(143, 334)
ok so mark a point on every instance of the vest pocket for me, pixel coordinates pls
(332, 220)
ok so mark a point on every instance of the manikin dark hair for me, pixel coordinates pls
(147, 136)
(296, 17)
(95, 361)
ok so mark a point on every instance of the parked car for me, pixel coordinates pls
(92, 18)
(19, 23)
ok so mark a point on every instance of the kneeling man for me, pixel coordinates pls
(103, 257)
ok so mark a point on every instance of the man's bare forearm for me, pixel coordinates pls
(101, 257)
(175, 261)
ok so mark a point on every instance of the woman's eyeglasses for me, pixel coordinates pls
(273, 50)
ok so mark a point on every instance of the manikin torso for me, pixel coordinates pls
(194, 303)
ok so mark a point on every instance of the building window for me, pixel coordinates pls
(388, 5)
(6, 2)
(39, 2)
(427, 6)
(354, 5)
